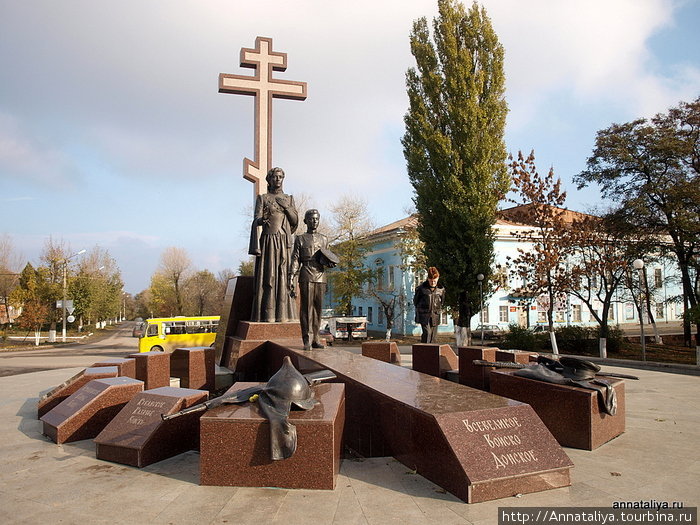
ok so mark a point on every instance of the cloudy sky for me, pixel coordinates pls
(112, 132)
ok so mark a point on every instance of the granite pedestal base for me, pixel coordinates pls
(153, 368)
(470, 374)
(138, 436)
(572, 414)
(126, 367)
(194, 367)
(86, 412)
(244, 350)
(60, 393)
(476, 445)
(434, 360)
(235, 444)
(387, 352)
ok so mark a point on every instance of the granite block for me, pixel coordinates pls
(138, 436)
(470, 374)
(515, 356)
(476, 445)
(126, 367)
(433, 359)
(194, 367)
(572, 414)
(153, 368)
(235, 444)
(55, 396)
(238, 303)
(86, 412)
(382, 351)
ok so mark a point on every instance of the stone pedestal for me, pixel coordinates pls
(55, 396)
(432, 359)
(514, 356)
(86, 412)
(238, 301)
(470, 374)
(138, 436)
(476, 445)
(153, 368)
(382, 351)
(126, 367)
(235, 444)
(194, 367)
(572, 414)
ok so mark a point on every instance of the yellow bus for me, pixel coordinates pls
(165, 334)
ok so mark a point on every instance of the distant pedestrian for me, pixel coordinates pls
(428, 301)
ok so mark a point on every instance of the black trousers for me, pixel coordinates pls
(429, 333)
(310, 311)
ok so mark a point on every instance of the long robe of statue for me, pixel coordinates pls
(276, 213)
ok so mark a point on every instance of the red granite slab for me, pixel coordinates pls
(153, 368)
(235, 444)
(448, 432)
(86, 412)
(432, 359)
(572, 414)
(138, 436)
(382, 351)
(238, 302)
(514, 356)
(55, 396)
(470, 374)
(194, 367)
(126, 367)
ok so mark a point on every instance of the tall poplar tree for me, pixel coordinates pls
(454, 148)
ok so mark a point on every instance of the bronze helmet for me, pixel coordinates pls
(288, 385)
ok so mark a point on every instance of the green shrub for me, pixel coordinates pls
(519, 338)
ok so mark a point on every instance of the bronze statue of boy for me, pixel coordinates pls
(310, 258)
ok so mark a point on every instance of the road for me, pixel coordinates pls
(118, 344)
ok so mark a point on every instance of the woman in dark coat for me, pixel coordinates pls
(276, 213)
(428, 301)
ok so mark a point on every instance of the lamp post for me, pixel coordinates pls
(639, 266)
(480, 278)
(65, 291)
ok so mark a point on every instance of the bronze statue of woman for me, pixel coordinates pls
(276, 213)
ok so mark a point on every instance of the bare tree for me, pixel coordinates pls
(175, 265)
(351, 223)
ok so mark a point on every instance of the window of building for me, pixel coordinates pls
(503, 314)
(443, 318)
(484, 315)
(369, 314)
(576, 311)
(380, 278)
(360, 311)
(611, 313)
(380, 315)
(391, 277)
(658, 279)
(660, 310)
(629, 311)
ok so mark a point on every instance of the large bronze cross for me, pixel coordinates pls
(264, 88)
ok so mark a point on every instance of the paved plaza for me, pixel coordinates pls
(41, 482)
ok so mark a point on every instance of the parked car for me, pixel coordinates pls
(491, 331)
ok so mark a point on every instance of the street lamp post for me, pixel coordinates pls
(480, 278)
(65, 291)
(639, 266)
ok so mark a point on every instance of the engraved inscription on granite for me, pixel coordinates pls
(138, 436)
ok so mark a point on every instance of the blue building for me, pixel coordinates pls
(504, 307)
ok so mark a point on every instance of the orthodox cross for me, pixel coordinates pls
(264, 88)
